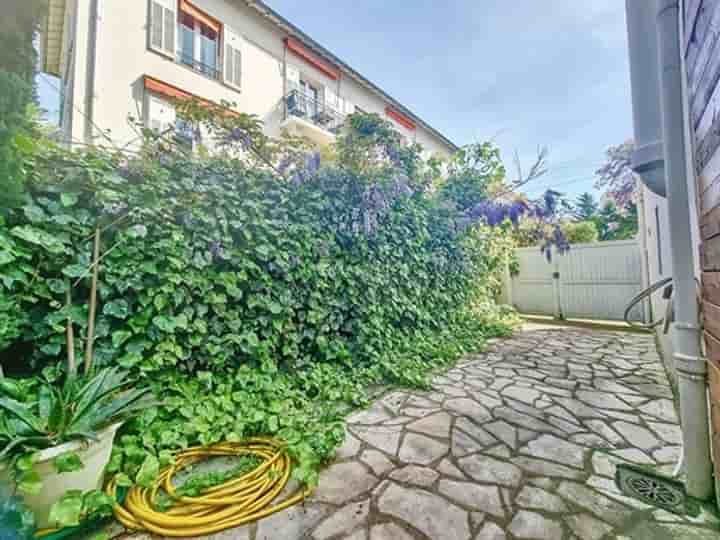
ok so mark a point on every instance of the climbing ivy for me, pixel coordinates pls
(260, 292)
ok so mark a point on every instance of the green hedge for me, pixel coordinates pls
(277, 296)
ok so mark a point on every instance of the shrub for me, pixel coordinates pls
(581, 232)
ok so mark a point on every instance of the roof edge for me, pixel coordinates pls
(293, 30)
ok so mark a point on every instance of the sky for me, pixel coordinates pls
(524, 74)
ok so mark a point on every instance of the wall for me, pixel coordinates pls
(702, 58)
(123, 58)
(658, 265)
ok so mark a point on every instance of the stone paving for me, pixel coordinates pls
(519, 442)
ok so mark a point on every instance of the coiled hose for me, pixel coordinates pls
(231, 504)
(646, 294)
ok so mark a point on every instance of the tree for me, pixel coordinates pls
(616, 176)
(17, 92)
(615, 225)
(585, 208)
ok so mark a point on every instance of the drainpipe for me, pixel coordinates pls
(91, 62)
(691, 367)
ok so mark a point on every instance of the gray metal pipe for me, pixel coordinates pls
(691, 367)
(647, 157)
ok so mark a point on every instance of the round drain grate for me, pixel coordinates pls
(652, 490)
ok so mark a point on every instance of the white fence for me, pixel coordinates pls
(591, 281)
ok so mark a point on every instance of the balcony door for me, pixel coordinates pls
(310, 97)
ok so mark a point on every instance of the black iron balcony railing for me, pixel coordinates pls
(209, 71)
(301, 105)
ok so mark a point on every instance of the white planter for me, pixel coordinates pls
(94, 456)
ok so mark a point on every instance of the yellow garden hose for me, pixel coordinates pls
(231, 504)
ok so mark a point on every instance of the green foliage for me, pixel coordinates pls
(42, 413)
(612, 224)
(255, 297)
(580, 232)
(586, 207)
(474, 172)
(16, 521)
(74, 507)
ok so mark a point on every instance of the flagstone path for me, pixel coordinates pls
(519, 442)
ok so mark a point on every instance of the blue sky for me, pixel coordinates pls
(523, 73)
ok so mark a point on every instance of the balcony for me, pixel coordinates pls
(187, 60)
(312, 118)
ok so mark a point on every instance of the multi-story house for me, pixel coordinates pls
(122, 59)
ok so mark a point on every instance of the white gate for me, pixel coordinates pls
(591, 281)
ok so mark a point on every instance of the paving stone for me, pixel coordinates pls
(414, 475)
(595, 503)
(668, 454)
(634, 455)
(421, 450)
(447, 468)
(499, 450)
(638, 436)
(587, 527)
(476, 432)
(377, 461)
(670, 433)
(535, 526)
(648, 530)
(473, 496)
(490, 531)
(350, 447)
(664, 409)
(386, 438)
(491, 470)
(344, 520)
(535, 498)
(432, 515)
(487, 400)
(602, 429)
(602, 400)
(553, 448)
(360, 534)
(462, 444)
(389, 531)
(470, 408)
(295, 522)
(344, 481)
(503, 431)
(547, 468)
(526, 395)
(418, 412)
(476, 519)
(437, 425)
(373, 415)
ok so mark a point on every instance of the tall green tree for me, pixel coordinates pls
(585, 207)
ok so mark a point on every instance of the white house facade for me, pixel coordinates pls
(123, 60)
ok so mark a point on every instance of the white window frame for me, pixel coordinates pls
(197, 49)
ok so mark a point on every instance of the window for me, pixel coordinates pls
(161, 118)
(198, 45)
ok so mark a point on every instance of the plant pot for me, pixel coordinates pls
(94, 456)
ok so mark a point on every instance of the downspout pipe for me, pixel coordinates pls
(691, 367)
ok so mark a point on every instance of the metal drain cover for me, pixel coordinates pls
(652, 489)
